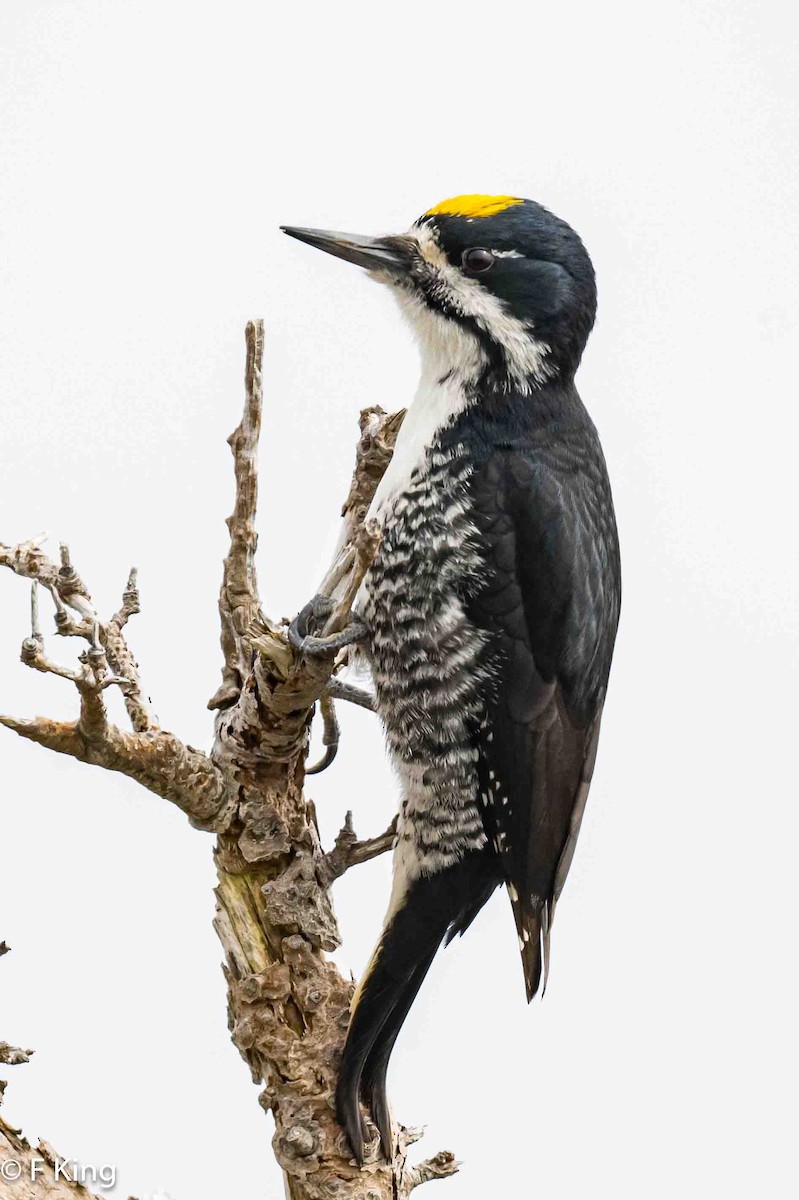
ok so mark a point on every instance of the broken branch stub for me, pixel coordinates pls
(348, 851)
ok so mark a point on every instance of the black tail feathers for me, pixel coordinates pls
(400, 962)
(375, 1069)
(430, 907)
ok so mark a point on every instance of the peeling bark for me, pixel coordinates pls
(288, 1006)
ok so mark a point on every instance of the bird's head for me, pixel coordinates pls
(495, 286)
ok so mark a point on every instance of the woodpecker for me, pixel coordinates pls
(492, 605)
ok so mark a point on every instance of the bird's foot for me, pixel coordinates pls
(305, 639)
(337, 689)
(330, 737)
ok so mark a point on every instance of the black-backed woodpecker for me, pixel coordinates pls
(492, 605)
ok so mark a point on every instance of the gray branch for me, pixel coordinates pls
(348, 851)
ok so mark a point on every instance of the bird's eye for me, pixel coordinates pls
(477, 260)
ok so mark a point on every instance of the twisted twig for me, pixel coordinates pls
(348, 851)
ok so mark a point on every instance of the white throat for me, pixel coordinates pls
(452, 360)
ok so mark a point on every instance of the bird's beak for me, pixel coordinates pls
(392, 255)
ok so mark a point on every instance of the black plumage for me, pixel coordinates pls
(550, 598)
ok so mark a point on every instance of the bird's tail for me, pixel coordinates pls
(409, 942)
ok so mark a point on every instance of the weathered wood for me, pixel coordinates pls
(288, 1005)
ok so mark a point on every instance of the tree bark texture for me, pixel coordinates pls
(288, 1006)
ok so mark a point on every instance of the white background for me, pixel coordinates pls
(148, 153)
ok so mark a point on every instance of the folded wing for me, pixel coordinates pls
(550, 598)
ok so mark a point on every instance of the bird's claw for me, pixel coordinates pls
(331, 736)
(309, 619)
(312, 617)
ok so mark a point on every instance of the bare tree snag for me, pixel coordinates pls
(287, 1005)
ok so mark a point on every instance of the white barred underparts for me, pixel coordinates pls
(426, 661)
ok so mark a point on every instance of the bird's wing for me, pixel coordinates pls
(549, 600)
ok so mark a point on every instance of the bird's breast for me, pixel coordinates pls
(440, 398)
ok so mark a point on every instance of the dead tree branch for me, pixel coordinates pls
(153, 757)
(348, 851)
(12, 1056)
(288, 1005)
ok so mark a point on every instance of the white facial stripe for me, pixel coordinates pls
(525, 355)
(447, 348)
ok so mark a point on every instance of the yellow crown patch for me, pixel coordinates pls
(473, 206)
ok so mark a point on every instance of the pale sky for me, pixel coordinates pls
(148, 154)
